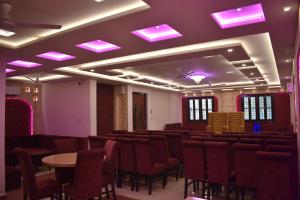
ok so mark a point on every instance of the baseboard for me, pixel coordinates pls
(2, 196)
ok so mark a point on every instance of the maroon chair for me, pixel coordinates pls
(110, 165)
(194, 165)
(88, 175)
(271, 141)
(258, 141)
(230, 142)
(246, 170)
(65, 145)
(145, 165)
(294, 151)
(161, 154)
(65, 175)
(96, 142)
(275, 176)
(127, 161)
(218, 165)
(33, 188)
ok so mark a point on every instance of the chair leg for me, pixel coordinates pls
(113, 191)
(243, 193)
(227, 192)
(137, 182)
(203, 189)
(177, 172)
(106, 192)
(208, 191)
(119, 179)
(237, 194)
(164, 179)
(132, 180)
(150, 185)
(186, 186)
(194, 186)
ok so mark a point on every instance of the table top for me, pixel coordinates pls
(193, 198)
(60, 160)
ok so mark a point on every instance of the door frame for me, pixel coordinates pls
(146, 109)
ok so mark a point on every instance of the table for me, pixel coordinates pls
(62, 160)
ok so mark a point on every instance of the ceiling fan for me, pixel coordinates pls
(35, 80)
(6, 22)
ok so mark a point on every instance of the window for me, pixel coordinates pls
(199, 108)
(258, 107)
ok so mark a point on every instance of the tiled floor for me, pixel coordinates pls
(173, 191)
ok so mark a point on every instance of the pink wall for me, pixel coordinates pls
(68, 108)
(2, 128)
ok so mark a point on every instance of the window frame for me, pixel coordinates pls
(257, 108)
(200, 108)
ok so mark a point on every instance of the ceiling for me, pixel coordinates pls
(203, 46)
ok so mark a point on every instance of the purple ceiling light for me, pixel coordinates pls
(25, 64)
(157, 33)
(98, 46)
(9, 70)
(53, 55)
(240, 16)
(197, 77)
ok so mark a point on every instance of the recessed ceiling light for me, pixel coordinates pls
(287, 8)
(288, 60)
(98, 46)
(98, 0)
(239, 17)
(92, 70)
(6, 33)
(25, 64)
(230, 72)
(244, 65)
(251, 73)
(229, 50)
(250, 88)
(157, 33)
(53, 55)
(227, 89)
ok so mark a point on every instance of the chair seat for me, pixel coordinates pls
(47, 188)
(173, 162)
(158, 168)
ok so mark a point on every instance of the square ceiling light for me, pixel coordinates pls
(53, 55)
(157, 33)
(9, 70)
(98, 46)
(240, 16)
(25, 64)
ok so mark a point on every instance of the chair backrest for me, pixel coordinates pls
(96, 142)
(274, 176)
(160, 148)
(175, 145)
(246, 164)
(194, 161)
(27, 168)
(217, 159)
(288, 149)
(259, 141)
(270, 141)
(144, 156)
(111, 153)
(65, 145)
(88, 173)
(127, 157)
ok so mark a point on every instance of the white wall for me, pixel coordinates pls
(163, 107)
(69, 108)
(2, 130)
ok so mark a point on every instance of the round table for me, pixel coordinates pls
(60, 160)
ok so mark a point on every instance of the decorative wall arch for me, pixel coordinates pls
(18, 117)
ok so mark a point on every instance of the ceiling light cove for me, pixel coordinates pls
(98, 46)
(53, 55)
(25, 64)
(240, 16)
(9, 70)
(157, 33)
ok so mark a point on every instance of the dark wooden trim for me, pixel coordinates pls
(2, 196)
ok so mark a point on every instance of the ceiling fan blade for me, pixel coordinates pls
(37, 26)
